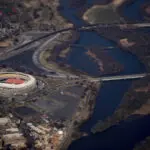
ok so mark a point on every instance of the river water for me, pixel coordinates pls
(132, 11)
(108, 99)
(120, 137)
(127, 134)
(79, 60)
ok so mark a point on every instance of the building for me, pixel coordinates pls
(5, 44)
(4, 121)
(16, 140)
(46, 136)
(16, 83)
(10, 134)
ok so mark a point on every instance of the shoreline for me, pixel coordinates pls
(80, 118)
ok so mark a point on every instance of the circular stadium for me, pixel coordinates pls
(16, 83)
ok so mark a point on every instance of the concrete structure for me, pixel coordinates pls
(121, 77)
(4, 121)
(35, 129)
(15, 139)
(10, 134)
(10, 89)
(12, 130)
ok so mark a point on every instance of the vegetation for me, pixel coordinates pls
(102, 14)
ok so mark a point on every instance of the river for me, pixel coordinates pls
(109, 97)
(135, 15)
(121, 137)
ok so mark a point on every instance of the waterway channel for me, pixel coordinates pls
(111, 93)
(120, 137)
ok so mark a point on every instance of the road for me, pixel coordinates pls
(43, 47)
(55, 34)
(37, 62)
(121, 77)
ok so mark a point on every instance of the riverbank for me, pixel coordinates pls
(83, 113)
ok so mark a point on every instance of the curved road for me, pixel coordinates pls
(36, 60)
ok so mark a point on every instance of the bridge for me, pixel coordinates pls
(82, 28)
(120, 77)
(95, 26)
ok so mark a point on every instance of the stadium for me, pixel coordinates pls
(16, 83)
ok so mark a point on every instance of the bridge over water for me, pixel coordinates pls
(135, 25)
(82, 28)
(121, 77)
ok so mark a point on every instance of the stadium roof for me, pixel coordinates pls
(14, 81)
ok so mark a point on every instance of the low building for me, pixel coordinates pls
(36, 129)
(16, 140)
(10, 134)
(12, 130)
(5, 44)
(4, 121)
